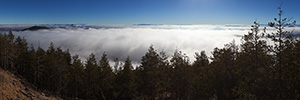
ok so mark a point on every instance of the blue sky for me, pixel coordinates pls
(144, 11)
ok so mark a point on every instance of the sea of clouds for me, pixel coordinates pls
(122, 41)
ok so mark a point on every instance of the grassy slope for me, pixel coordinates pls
(11, 87)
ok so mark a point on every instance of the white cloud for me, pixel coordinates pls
(135, 40)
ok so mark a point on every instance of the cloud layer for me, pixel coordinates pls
(135, 40)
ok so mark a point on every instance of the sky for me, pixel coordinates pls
(144, 11)
(186, 25)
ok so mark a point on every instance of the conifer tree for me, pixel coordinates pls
(223, 63)
(202, 83)
(91, 78)
(201, 59)
(106, 77)
(149, 75)
(181, 76)
(40, 69)
(51, 67)
(2, 45)
(32, 59)
(283, 41)
(75, 79)
(125, 81)
(22, 60)
(254, 61)
(64, 64)
(9, 52)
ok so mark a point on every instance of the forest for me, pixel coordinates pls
(255, 69)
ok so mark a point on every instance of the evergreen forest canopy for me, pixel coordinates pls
(252, 70)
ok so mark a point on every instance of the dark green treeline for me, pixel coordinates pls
(252, 70)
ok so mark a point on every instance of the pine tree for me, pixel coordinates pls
(201, 59)
(40, 69)
(32, 59)
(91, 78)
(51, 69)
(182, 76)
(22, 56)
(9, 52)
(254, 61)
(107, 77)
(223, 65)
(150, 75)
(282, 41)
(75, 79)
(202, 83)
(3, 39)
(64, 64)
(125, 81)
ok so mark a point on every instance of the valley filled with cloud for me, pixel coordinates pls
(134, 40)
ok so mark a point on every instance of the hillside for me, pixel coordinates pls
(34, 28)
(11, 87)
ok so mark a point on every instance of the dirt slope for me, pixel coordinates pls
(11, 87)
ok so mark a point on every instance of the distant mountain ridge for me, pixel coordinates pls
(34, 28)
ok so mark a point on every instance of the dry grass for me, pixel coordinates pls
(11, 87)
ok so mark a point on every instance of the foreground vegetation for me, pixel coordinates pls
(14, 88)
(252, 70)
